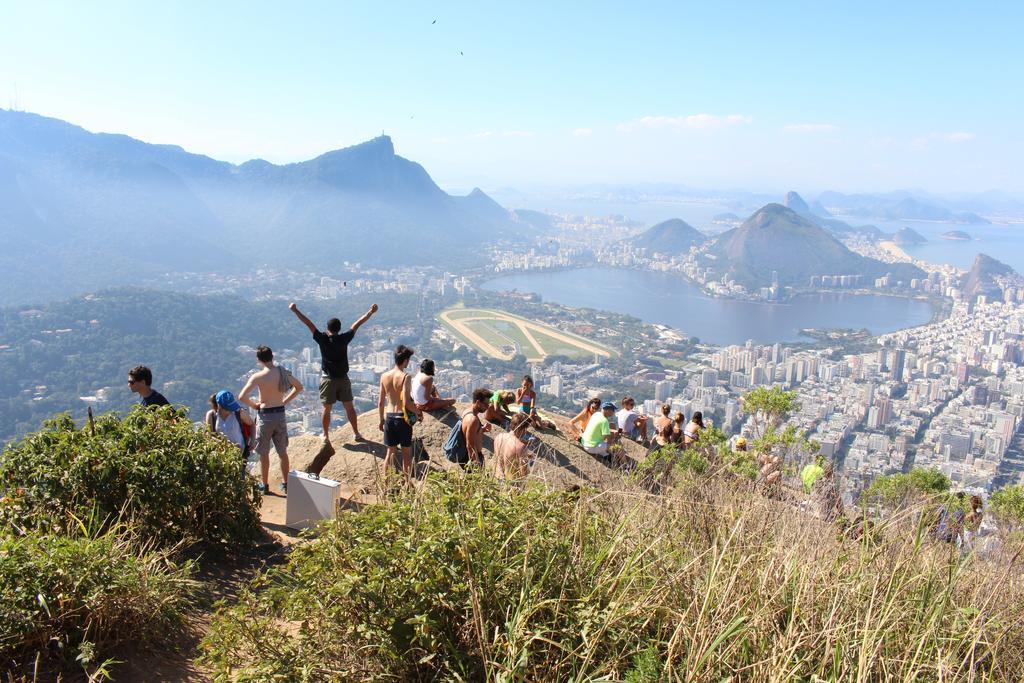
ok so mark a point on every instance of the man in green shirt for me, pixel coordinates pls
(598, 436)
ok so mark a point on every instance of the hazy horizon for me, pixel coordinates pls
(867, 98)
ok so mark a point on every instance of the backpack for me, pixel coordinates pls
(455, 445)
(246, 436)
(941, 530)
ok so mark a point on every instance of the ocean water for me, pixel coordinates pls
(671, 300)
(1002, 241)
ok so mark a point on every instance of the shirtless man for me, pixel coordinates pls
(394, 407)
(277, 388)
(473, 428)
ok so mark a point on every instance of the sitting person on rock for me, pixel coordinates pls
(424, 392)
(526, 397)
(579, 423)
(598, 438)
(498, 408)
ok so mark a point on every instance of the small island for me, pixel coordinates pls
(956, 235)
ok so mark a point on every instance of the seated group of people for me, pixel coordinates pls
(593, 426)
(505, 405)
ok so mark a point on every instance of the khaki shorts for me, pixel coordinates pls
(271, 428)
(334, 389)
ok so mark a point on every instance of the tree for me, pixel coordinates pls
(768, 407)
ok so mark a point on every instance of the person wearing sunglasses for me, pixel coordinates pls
(140, 380)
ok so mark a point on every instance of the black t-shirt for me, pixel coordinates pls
(334, 352)
(154, 399)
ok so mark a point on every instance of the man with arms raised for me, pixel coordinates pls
(394, 407)
(335, 385)
(277, 388)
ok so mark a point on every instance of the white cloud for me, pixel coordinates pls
(810, 128)
(582, 132)
(693, 122)
(955, 138)
(483, 135)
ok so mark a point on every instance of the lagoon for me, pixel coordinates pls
(671, 300)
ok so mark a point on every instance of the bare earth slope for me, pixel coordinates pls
(359, 466)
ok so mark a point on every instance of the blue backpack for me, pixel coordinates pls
(455, 445)
(948, 525)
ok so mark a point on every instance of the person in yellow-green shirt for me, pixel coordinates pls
(598, 437)
(810, 474)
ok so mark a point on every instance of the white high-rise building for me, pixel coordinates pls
(663, 390)
(556, 386)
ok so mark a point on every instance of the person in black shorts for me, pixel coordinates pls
(396, 410)
(335, 385)
(140, 381)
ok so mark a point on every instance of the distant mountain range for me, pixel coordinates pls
(674, 236)
(778, 240)
(80, 210)
(895, 207)
(819, 215)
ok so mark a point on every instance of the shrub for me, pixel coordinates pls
(176, 485)
(655, 472)
(898, 490)
(69, 599)
(1008, 506)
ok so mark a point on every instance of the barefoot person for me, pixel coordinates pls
(395, 407)
(277, 388)
(335, 385)
(424, 391)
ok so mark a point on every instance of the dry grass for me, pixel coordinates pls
(466, 579)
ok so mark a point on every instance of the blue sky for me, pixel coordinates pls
(758, 95)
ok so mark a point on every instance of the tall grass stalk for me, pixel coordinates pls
(467, 579)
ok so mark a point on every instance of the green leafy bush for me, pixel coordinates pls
(177, 485)
(73, 599)
(655, 472)
(896, 490)
(1008, 506)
